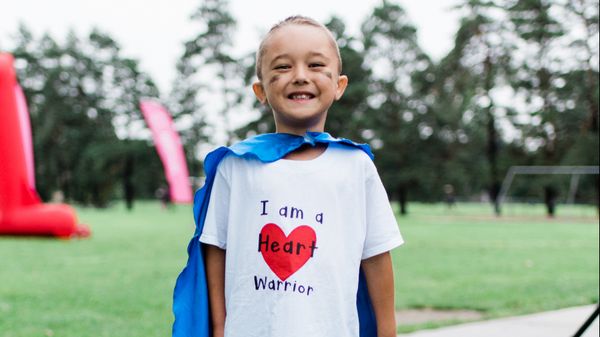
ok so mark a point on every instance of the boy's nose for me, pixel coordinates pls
(300, 76)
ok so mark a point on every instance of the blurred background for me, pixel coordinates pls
(449, 94)
(518, 85)
(511, 83)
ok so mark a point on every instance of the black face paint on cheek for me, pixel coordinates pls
(274, 78)
(328, 74)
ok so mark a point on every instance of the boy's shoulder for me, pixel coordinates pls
(342, 156)
(339, 150)
(349, 153)
(266, 148)
(347, 157)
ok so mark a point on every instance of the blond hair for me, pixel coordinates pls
(294, 20)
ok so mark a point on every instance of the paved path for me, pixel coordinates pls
(559, 323)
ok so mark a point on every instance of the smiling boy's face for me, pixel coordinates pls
(300, 77)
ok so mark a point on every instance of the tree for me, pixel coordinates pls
(346, 117)
(79, 94)
(124, 85)
(586, 13)
(537, 80)
(206, 91)
(396, 114)
(467, 82)
(578, 91)
(61, 86)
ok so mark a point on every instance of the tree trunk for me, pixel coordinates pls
(592, 104)
(550, 200)
(492, 154)
(492, 139)
(597, 194)
(128, 187)
(494, 193)
(402, 192)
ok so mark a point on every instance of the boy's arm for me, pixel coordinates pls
(380, 283)
(215, 275)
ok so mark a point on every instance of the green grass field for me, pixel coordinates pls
(465, 258)
(119, 282)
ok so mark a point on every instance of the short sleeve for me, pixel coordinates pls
(214, 231)
(382, 232)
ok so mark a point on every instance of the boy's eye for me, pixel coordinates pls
(281, 67)
(316, 65)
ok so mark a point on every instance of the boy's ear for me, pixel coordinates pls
(259, 92)
(341, 86)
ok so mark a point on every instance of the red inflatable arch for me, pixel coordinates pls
(21, 210)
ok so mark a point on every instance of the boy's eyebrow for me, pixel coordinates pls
(278, 57)
(311, 54)
(316, 53)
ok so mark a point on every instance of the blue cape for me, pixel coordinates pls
(190, 297)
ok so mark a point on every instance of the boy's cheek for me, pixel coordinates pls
(274, 79)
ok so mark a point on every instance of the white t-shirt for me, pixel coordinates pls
(295, 233)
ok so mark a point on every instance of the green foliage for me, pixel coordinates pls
(208, 79)
(533, 21)
(397, 110)
(479, 63)
(478, 109)
(83, 100)
(104, 164)
(519, 87)
(346, 117)
(561, 91)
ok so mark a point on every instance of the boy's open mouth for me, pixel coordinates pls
(301, 96)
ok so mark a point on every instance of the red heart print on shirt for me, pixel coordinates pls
(285, 255)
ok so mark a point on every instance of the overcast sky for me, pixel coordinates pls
(152, 31)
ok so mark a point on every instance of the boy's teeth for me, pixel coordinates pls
(301, 96)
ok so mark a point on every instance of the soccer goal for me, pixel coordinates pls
(574, 171)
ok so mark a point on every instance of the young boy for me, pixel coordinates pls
(284, 241)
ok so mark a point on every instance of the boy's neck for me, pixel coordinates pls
(300, 130)
(306, 152)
